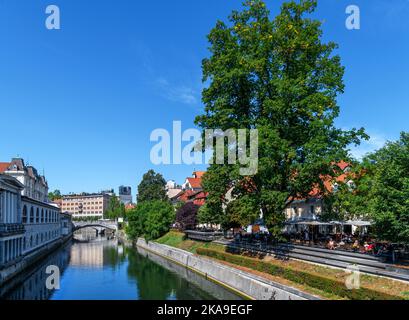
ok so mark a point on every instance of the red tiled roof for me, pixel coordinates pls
(199, 174)
(129, 206)
(195, 183)
(4, 166)
(316, 192)
(185, 196)
(343, 165)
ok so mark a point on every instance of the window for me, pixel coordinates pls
(25, 214)
(31, 215)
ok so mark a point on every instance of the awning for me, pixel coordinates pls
(358, 223)
(308, 223)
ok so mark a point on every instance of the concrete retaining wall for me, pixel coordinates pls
(245, 283)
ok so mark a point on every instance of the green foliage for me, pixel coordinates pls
(276, 76)
(115, 209)
(152, 187)
(150, 220)
(388, 191)
(210, 213)
(349, 201)
(136, 223)
(54, 195)
(380, 192)
(241, 212)
(322, 283)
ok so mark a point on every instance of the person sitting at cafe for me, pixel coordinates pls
(355, 246)
(331, 245)
(369, 248)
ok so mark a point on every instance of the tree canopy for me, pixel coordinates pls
(388, 189)
(54, 195)
(277, 76)
(115, 209)
(186, 216)
(150, 219)
(152, 187)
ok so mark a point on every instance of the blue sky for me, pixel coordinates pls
(81, 102)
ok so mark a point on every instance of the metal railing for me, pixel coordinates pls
(11, 228)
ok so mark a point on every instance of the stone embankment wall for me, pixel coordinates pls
(244, 283)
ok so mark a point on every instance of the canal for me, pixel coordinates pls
(97, 268)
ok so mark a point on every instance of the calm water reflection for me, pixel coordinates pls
(105, 269)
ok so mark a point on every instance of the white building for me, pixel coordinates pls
(66, 224)
(41, 222)
(11, 226)
(35, 185)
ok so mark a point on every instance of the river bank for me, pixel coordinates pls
(321, 281)
(246, 284)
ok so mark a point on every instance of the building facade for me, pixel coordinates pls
(125, 195)
(313, 207)
(66, 224)
(11, 226)
(86, 205)
(35, 185)
(41, 223)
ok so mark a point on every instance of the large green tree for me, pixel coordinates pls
(388, 196)
(150, 219)
(152, 187)
(54, 195)
(277, 76)
(115, 209)
(379, 192)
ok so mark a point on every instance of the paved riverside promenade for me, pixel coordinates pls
(245, 283)
(334, 258)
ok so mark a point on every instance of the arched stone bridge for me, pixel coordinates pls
(103, 224)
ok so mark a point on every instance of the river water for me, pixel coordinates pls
(98, 268)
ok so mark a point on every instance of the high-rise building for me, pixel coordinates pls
(125, 195)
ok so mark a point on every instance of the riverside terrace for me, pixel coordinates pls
(367, 263)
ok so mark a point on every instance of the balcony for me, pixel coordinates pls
(11, 228)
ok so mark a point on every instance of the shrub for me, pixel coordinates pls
(186, 216)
